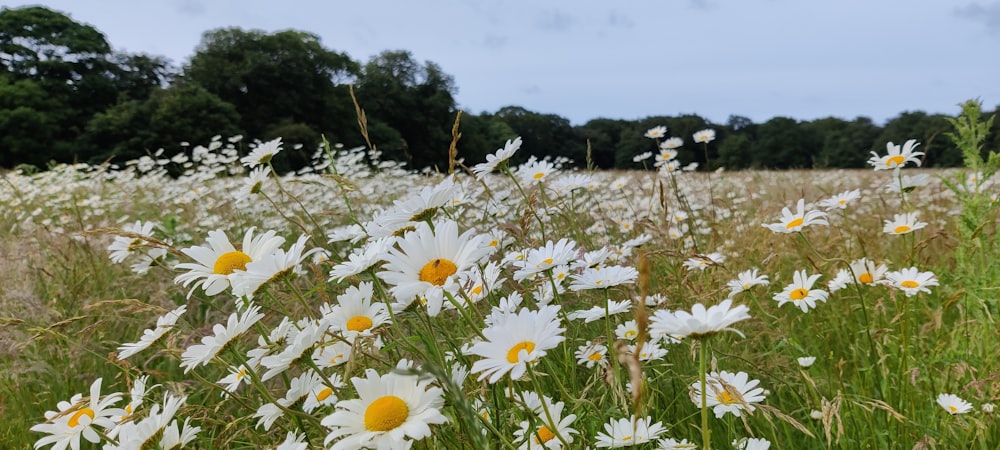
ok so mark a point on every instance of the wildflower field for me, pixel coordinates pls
(203, 301)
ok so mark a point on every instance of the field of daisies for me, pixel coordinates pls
(204, 301)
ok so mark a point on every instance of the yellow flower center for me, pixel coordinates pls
(337, 358)
(547, 261)
(359, 323)
(325, 394)
(512, 355)
(842, 202)
(75, 420)
(894, 161)
(437, 271)
(494, 243)
(901, 229)
(909, 284)
(866, 278)
(799, 294)
(386, 413)
(794, 223)
(477, 290)
(543, 435)
(595, 356)
(230, 261)
(242, 373)
(538, 175)
(725, 398)
(630, 334)
(952, 409)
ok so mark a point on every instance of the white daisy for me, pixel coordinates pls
(497, 158)
(801, 293)
(362, 258)
(840, 201)
(262, 154)
(599, 312)
(304, 340)
(699, 322)
(542, 433)
(516, 341)
(896, 157)
(355, 314)
(603, 278)
(544, 258)
(704, 136)
(702, 262)
(953, 404)
(728, 392)
(656, 132)
(911, 280)
(903, 223)
(150, 336)
(790, 223)
(215, 265)
(628, 432)
(124, 246)
(392, 411)
(426, 261)
(746, 280)
(591, 354)
(270, 267)
(79, 417)
(201, 354)
(253, 184)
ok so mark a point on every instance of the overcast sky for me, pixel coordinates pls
(584, 59)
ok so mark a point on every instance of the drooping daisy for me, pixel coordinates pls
(392, 410)
(907, 183)
(953, 404)
(704, 136)
(149, 432)
(362, 258)
(911, 280)
(903, 223)
(427, 260)
(123, 246)
(201, 354)
(497, 158)
(253, 184)
(79, 417)
(628, 432)
(896, 156)
(304, 340)
(801, 293)
(702, 262)
(149, 336)
(355, 314)
(544, 258)
(544, 433)
(298, 389)
(840, 201)
(332, 354)
(270, 267)
(746, 280)
(656, 132)
(591, 354)
(262, 153)
(216, 264)
(699, 322)
(728, 392)
(599, 312)
(790, 223)
(515, 341)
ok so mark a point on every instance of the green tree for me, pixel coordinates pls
(843, 144)
(603, 136)
(284, 77)
(417, 100)
(784, 143)
(181, 113)
(543, 135)
(482, 134)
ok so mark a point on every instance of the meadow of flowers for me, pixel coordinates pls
(203, 301)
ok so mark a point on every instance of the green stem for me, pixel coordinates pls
(706, 434)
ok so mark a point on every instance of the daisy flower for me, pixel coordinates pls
(746, 280)
(840, 201)
(896, 156)
(320, 393)
(516, 340)
(544, 258)
(656, 132)
(650, 351)
(201, 354)
(627, 331)
(298, 389)
(124, 246)
(497, 158)
(253, 184)
(262, 154)
(672, 444)
(237, 374)
(150, 336)
(903, 223)
(355, 314)
(425, 262)
(293, 441)
(790, 223)
(699, 322)
(270, 267)
(728, 393)
(304, 340)
(911, 280)
(543, 433)
(628, 432)
(907, 183)
(704, 136)
(806, 361)
(79, 417)
(599, 312)
(535, 171)
(671, 144)
(392, 411)
(149, 432)
(362, 258)
(752, 444)
(591, 354)
(332, 354)
(801, 293)
(215, 265)
(702, 262)
(953, 404)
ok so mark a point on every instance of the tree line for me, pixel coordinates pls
(67, 96)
